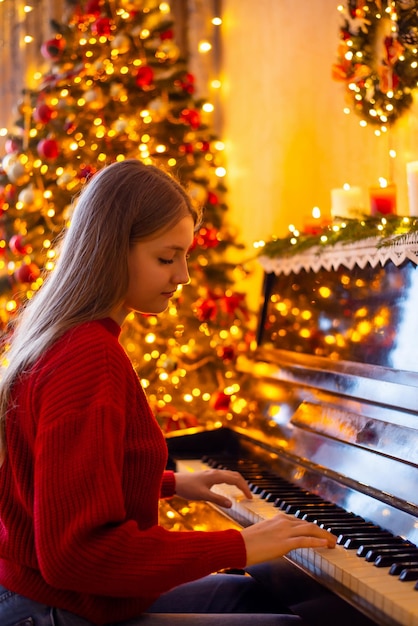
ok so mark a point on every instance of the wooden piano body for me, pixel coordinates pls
(329, 403)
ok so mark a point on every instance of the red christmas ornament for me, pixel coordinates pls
(212, 198)
(93, 8)
(48, 149)
(12, 145)
(10, 193)
(203, 146)
(187, 148)
(206, 309)
(53, 48)
(166, 34)
(43, 114)
(27, 273)
(144, 76)
(220, 401)
(102, 27)
(208, 237)
(186, 83)
(86, 172)
(171, 418)
(17, 245)
(226, 353)
(69, 126)
(232, 302)
(191, 117)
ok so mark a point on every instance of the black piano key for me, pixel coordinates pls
(409, 573)
(339, 528)
(256, 485)
(296, 496)
(353, 543)
(321, 505)
(374, 553)
(263, 485)
(283, 503)
(300, 509)
(268, 496)
(365, 548)
(277, 496)
(387, 559)
(397, 568)
(329, 516)
(286, 491)
(282, 493)
(373, 531)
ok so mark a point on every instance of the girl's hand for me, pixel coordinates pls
(275, 537)
(197, 485)
(266, 540)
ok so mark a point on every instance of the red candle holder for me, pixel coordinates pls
(383, 200)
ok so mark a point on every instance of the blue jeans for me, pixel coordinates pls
(217, 600)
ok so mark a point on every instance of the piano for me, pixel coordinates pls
(325, 425)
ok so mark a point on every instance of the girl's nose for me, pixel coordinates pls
(182, 277)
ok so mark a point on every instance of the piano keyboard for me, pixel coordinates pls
(378, 586)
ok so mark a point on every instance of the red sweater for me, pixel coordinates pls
(80, 485)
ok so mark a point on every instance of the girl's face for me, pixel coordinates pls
(157, 267)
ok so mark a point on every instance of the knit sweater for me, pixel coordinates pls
(80, 487)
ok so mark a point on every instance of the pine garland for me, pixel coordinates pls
(387, 230)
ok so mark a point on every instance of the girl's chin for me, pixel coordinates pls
(155, 310)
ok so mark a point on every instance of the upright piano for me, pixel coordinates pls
(325, 425)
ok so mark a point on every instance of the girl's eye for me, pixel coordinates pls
(166, 261)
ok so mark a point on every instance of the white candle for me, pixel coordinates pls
(347, 202)
(412, 182)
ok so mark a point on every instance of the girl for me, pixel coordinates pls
(83, 459)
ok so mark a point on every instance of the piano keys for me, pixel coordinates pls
(360, 580)
(325, 427)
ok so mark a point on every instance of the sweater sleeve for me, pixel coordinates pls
(168, 485)
(85, 540)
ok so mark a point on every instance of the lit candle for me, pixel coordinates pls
(347, 202)
(383, 198)
(318, 223)
(412, 182)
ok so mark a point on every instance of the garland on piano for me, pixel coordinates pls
(348, 242)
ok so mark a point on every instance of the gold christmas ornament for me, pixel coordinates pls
(121, 43)
(15, 166)
(158, 109)
(167, 51)
(31, 198)
(66, 177)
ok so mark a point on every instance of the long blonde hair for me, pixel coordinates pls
(123, 203)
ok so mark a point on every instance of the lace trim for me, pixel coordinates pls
(367, 251)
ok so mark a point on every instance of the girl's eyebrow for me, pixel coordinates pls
(177, 248)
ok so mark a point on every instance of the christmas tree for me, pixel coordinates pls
(117, 86)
